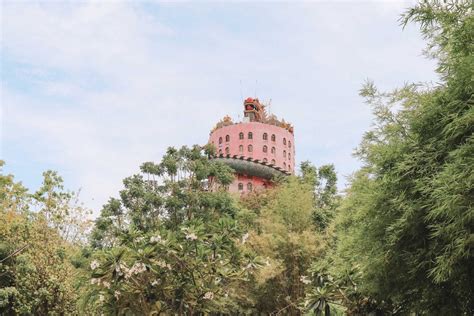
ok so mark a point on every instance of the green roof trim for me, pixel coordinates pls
(251, 167)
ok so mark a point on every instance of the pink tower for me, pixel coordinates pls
(259, 149)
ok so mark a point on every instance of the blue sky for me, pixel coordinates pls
(92, 89)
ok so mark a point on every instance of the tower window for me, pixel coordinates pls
(220, 151)
(227, 138)
(250, 148)
(241, 135)
(241, 186)
(265, 136)
(249, 186)
(289, 143)
(284, 165)
(241, 148)
(284, 141)
(273, 137)
(284, 153)
(273, 150)
(250, 135)
(289, 167)
(227, 150)
(289, 156)
(265, 149)
(273, 161)
(220, 140)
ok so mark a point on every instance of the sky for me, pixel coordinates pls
(93, 89)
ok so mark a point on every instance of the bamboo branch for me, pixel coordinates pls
(14, 253)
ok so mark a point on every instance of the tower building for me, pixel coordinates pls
(259, 148)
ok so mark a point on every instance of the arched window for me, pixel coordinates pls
(220, 151)
(227, 138)
(289, 167)
(284, 165)
(265, 136)
(284, 153)
(289, 156)
(249, 186)
(220, 140)
(241, 135)
(241, 148)
(273, 161)
(273, 150)
(227, 150)
(265, 160)
(250, 148)
(273, 137)
(241, 186)
(250, 135)
(265, 148)
(284, 141)
(289, 143)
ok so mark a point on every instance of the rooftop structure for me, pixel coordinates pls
(259, 149)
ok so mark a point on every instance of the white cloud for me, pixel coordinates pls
(105, 86)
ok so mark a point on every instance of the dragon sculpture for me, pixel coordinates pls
(255, 111)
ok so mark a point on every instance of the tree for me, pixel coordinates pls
(170, 243)
(288, 230)
(37, 276)
(406, 224)
(326, 200)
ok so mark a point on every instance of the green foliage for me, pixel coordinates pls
(283, 232)
(165, 193)
(187, 270)
(37, 276)
(326, 200)
(406, 223)
(171, 242)
(61, 208)
(175, 242)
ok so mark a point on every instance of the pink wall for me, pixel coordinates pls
(257, 184)
(257, 142)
